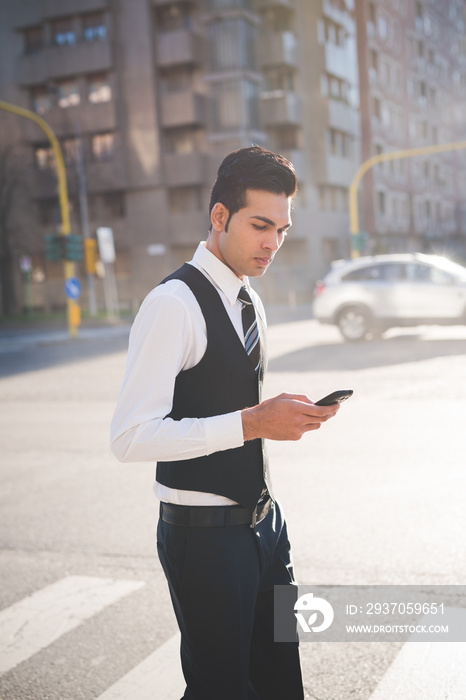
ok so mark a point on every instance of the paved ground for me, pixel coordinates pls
(376, 496)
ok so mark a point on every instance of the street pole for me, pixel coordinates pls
(379, 158)
(73, 309)
(84, 213)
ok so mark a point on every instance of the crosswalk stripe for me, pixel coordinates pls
(427, 670)
(34, 622)
(158, 677)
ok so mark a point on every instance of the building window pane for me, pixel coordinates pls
(70, 150)
(44, 157)
(40, 100)
(235, 105)
(184, 199)
(232, 44)
(180, 141)
(68, 93)
(173, 17)
(94, 28)
(175, 79)
(33, 40)
(63, 32)
(103, 146)
(98, 89)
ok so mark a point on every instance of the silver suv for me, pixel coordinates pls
(366, 296)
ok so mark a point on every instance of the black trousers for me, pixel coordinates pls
(221, 583)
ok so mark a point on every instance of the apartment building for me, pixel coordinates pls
(147, 96)
(412, 61)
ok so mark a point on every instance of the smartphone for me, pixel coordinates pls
(335, 397)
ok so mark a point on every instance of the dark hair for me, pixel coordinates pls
(251, 168)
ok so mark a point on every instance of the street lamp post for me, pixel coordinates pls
(73, 308)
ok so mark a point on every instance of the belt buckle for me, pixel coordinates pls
(254, 518)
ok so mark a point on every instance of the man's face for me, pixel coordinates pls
(254, 235)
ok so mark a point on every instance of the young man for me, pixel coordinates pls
(191, 400)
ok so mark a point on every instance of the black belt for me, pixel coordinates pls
(214, 516)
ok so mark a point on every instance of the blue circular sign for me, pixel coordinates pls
(73, 288)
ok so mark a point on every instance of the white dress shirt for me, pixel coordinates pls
(169, 335)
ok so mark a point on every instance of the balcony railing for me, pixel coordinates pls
(185, 108)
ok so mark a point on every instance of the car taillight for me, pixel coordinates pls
(319, 288)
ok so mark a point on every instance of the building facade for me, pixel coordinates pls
(412, 63)
(146, 98)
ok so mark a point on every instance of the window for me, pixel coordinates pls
(279, 79)
(175, 79)
(184, 199)
(40, 99)
(173, 17)
(103, 146)
(382, 26)
(235, 105)
(45, 159)
(63, 32)
(70, 150)
(232, 43)
(339, 143)
(68, 93)
(286, 137)
(33, 40)
(106, 206)
(381, 205)
(94, 28)
(333, 198)
(180, 141)
(387, 271)
(49, 212)
(277, 19)
(377, 107)
(99, 89)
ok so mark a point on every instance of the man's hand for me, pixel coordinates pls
(285, 417)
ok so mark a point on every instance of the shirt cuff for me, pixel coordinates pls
(223, 432)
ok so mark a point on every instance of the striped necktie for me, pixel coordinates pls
(250, 328)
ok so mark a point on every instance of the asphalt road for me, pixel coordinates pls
(377, 496)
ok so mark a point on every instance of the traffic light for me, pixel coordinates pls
(53, 247)
(90, 254)
(73, 247)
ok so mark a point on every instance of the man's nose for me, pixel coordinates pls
(272, 242)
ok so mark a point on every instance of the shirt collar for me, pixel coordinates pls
(224, 278)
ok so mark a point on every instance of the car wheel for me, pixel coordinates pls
(354, 323)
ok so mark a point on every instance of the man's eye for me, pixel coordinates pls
(259, 228)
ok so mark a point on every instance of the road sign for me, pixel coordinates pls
(73, 288)
(106, 244)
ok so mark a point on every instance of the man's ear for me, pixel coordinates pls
(219, 216)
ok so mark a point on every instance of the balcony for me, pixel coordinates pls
(27, 14)
(340, 171)
(65, 122)
(343, 117)
(182, 169)
(185, 108)
(178, 47)
(341, 62)
(188, 228)
(279, 107)
(277, 49)
(62, 61)
(265, 4)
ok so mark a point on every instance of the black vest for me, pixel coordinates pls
(222, 382)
